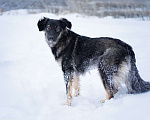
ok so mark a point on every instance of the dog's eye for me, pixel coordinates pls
(48, 27)
(57, 29)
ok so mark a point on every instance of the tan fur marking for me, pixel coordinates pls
(76, 86)
(69, 94)
(74, 82)
(115, 89)
(108, 95)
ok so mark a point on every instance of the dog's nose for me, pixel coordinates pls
(51, 38)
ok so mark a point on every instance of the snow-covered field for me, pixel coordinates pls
(31, 82)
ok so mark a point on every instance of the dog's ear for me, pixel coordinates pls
(66, 23)
(42, 23)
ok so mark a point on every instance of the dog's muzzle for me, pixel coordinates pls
(50, 38)
(50, 41)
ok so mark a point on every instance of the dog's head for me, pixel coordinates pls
(53, 28)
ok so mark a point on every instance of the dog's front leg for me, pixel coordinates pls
(76, 85)
(68, 82)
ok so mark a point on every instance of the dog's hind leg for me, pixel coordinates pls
(106, 73)
(109, 88)
(76, 85)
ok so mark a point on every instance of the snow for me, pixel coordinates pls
(31, 82)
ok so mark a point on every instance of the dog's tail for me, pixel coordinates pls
(137, 84)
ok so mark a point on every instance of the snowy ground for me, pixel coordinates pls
(31, 82)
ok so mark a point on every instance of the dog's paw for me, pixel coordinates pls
(76, 94)
(68, 102)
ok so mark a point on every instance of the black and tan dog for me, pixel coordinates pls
(114, 59)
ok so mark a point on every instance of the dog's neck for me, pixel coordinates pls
(67, 39)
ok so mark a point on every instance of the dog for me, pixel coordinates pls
(114, 59)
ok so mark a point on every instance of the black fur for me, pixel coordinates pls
(78, 54)
(42, 23)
